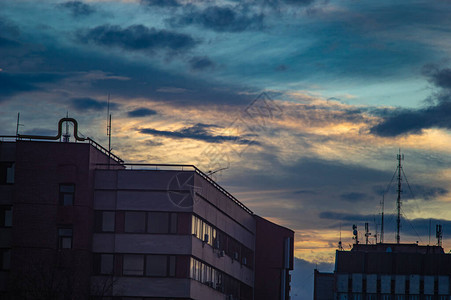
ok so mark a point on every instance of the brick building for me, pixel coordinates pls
(79, 223)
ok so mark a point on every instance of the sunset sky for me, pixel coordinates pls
(339, 87)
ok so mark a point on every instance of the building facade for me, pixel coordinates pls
(387, 272)
(78, 223)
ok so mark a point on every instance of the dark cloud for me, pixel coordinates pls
(14, 83)
(411, 227)
(412, 192)
(223, 19)
(290, 2)
(85, 104)
(137, 37)
(141, 112)
(439, 77)
(78, 8)
(5, 42)
(354, 197)
(153, 143)
(413, 121)
(200, 63)
(161, 3)
(199, 132)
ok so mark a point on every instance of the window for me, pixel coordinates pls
(215, 279)
(103, 264)
(160, 265)
(135, 221)
(162, 222)
(64, 238)
(133, 265)
(6, 216)
(104, 221)
(5, 259)
(7, 172)
(67, 193)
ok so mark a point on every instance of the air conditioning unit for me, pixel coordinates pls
(205, 238)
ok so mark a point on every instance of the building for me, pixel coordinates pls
(387, 272)
(79, 223)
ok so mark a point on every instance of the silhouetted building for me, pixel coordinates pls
(77, 223)
(387, 272)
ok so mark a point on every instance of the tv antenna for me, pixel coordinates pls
(439, 234)
(340, 244)
(108, 128)
(211, 172)
(355, 234)
(400, 158)
(18, 124)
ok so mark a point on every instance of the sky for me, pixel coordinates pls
(302, 105)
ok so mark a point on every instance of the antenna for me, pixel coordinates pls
(340, 245)
(382, 221)
(355, 233)
(367, 233)
(375, 224)
(439, 234)
(400, 157)
(18, 124)
(108, 128)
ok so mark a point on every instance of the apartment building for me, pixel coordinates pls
(387, 271)
(79, 223)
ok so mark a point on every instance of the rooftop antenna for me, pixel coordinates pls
(439, 234)
(211, 172)
(429, 231)
(367, 233)
(66, 136)
(375, 224)
(340, 245)
(400, 158)
(18, 124)
(382, 219)
(355, 233)
(108, 128)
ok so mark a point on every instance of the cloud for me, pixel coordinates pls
(441, 78)
(161, 3)
(137, 38)
(141, 112)
(413, 121)
(78, 8)
(200, 63)
(412, 227)
(277, 3)
(222, 19)
(354, 197)
(85, 104)
(199, 132)
(14, 83)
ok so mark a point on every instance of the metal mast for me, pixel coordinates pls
(400, 157)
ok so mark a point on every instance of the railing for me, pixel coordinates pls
(104, 150)
(13, 138)
(183, 168)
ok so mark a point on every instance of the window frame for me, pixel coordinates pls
(62, 194)
(62, 237)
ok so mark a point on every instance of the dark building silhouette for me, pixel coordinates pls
(78, 223)
(387, 272)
